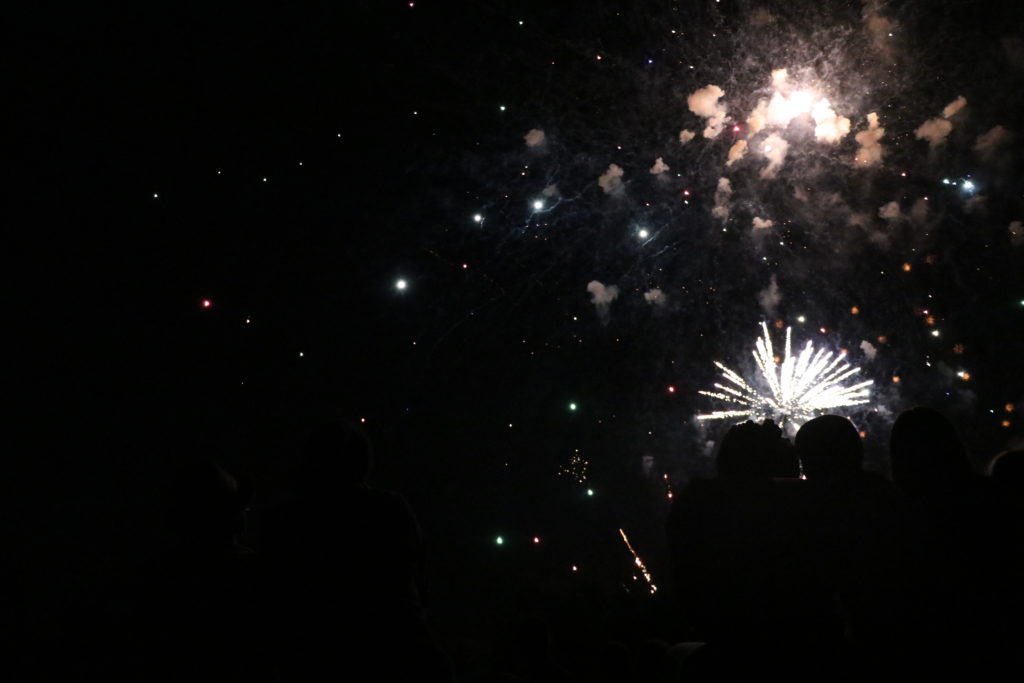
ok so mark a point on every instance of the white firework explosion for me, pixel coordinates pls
(801, 387)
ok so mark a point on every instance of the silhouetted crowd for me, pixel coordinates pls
(793, 562)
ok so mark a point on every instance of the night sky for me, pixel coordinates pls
(224, 203)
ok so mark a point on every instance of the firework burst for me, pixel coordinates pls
(799, 388)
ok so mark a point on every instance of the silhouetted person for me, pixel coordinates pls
(861, 526)
(929, 460)
(750, 581)
(344, 560)
(198, 606)
(956, 579)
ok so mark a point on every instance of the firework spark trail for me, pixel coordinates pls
(639, 563)
(801, 386)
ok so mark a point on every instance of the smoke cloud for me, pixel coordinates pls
(685, 136)
(602, 297)
(534, 138)
(934, 131)
(953, 107)
(736, 152)
(659, 166)
(869, 349)
(705, 104)
(774, 149)
(890, 211)
(762, 223)
(611, 180)
(988, 142)
(1016, 233)
(722, 194)
(870, 151)
(830, 127)
(655, 297)
(769, 298)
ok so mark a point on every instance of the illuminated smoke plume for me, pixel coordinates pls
(659, 166)
(936, 130)
(761, 17)
(611, 180)
(655, 297)
(534, 138)
(988, 142)
(870, 151)
(829, 126)
(736, 152)
(769, 298)
(762, 223)
(919, 212)
(953, 107)
(879, 28)
(722, 194)
(706, 104)
(890, 211)
(1016, 233)
(774, 149)
(869, 349)
(551, 191)
(756, 120)
(685, 136)
(602, 297)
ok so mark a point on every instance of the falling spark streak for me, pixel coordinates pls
(801, 387)
(639, 563)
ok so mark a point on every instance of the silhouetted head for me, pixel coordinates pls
(755, 452)
(829, 447)
(928, 458)
(335, 454)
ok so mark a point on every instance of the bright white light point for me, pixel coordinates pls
(207, 303)
(945, 181)
(590, 492)
(362, 419)
(798, 388)
(465, 266)
(643, 234)
(499, 540)
(264, 180)
(968, 185)
(301, 354)
(572, 406)
(478, 218)
(735, 129)
(671, 390)
(401, 284)
(538, 205)
(935, 333)
(520, 23)
(247, 321)
(536, 539)
(155, 195)
(502, 107)
(575, 568)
